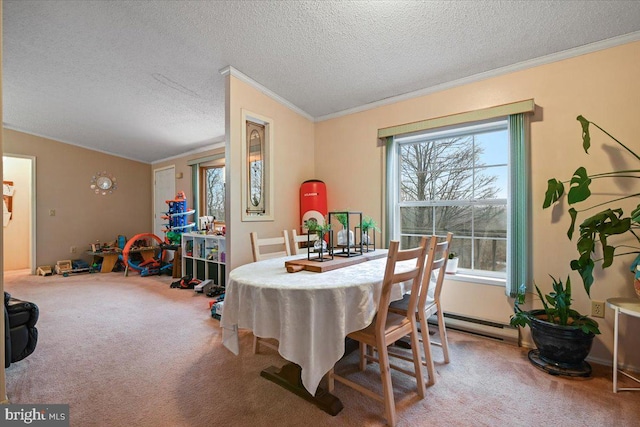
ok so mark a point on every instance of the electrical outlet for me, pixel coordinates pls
(73, 249)
(597, 308)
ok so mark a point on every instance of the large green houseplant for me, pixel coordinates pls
(556, 309)
(596, 230)
(563, 337)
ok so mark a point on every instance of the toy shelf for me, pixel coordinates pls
(204, 257)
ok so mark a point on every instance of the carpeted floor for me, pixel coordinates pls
(130, 351)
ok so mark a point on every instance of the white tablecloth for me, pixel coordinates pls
(309, 313)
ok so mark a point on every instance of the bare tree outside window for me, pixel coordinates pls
(457, 184)
(214, 192)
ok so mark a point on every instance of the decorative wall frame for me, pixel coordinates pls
(257, 167)
(103, 183)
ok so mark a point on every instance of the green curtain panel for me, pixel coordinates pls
(391, 184)
(195, 190)
(518, 243)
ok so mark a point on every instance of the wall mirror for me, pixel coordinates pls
(255, 157)
(257, 194)
(103, 183)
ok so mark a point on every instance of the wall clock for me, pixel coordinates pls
(103, 183)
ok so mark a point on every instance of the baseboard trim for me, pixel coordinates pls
(479, 327)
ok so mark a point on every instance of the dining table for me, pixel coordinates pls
(309, 313)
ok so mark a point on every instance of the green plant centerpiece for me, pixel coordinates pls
(369, 227)
(369, 223)
(319, 244)
(345, 236)
(563, 337)
(597, 230)
(319, 229)
(342, 219)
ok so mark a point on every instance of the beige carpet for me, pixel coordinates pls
(133, 352)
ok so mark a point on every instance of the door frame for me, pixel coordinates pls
(155, 171)
(32, 219)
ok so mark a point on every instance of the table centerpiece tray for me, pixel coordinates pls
(296, 265)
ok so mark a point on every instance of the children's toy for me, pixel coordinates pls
(67, 267)
(146, 245)
(121, 240)
(63, 267)
(178, 215)
(80, 266)
(204, 286)
(216, 310)
(173, 237)
(44, 270)
(216, 291)
(217, 306)
(187, 282)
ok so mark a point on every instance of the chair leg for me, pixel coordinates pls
(417, 361)
(331, 382)
(362, 348)
(385, 373)
(443, 335)
(255, 344)
(426, 344)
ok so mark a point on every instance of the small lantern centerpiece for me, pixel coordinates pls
(368, 232)
(346, 244)
(317, 249)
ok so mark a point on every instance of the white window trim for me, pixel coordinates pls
(465, 275)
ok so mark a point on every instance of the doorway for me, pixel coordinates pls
(19, 201)
(164, 189)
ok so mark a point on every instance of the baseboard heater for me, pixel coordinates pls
(484, 328)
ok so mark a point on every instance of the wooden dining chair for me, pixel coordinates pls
(301, 239)
(387, 327)
(257, 244)
(429, 304)
(280, 244)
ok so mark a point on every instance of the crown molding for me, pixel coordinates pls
(543, 60)
(215, 145)
(17, 129)
(248, 80)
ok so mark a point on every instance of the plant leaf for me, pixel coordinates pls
(607, 252)
(635, 214)
(573, 213)
(585, 268)
(586, 138)
(579, 190)
(555, 190)
(585, 243)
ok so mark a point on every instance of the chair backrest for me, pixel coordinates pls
(299, 239)
(414, 274)
(257, 244)
(435, 265)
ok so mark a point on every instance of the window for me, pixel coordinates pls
(212, 187)
(456, 180)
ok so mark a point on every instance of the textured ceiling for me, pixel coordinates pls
(141, 79)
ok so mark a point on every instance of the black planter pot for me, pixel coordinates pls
(561, 346)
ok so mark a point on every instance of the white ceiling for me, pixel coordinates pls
(141, 79)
